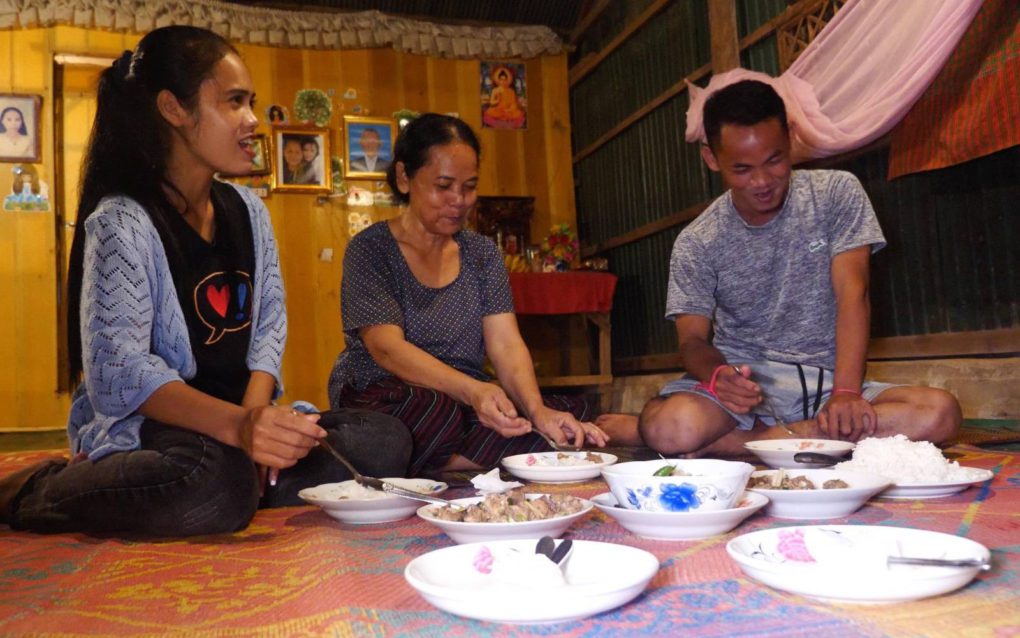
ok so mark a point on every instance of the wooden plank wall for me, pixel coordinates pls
(534, 162)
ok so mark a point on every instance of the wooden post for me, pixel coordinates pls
(722, 24)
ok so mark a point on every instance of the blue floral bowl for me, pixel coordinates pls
(710, 484)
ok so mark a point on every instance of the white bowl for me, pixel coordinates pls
(679, 526)
(525, 466)
(779, 452)
(600, 577)
(711, 485)
(384, 508)
(462, 532)
(847, 563)
(820, 503)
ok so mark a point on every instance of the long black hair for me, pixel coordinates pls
(21, 129)
(130, 142)
(417, 139)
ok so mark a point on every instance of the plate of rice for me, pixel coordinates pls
(917, 469)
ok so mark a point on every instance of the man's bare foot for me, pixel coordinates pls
(621, 428)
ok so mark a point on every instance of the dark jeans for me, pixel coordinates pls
(181, 483)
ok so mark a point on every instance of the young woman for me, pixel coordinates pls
(177, 319)
(424, 301)
(14, 138)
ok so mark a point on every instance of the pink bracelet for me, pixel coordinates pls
(710, 388)
(846, 391)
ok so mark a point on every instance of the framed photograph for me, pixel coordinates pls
(19, 127)
(301, 160)
(368, 146)
(262, 164)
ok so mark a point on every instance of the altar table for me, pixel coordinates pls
(578, 292)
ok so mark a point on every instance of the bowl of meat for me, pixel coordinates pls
(507, 515)
(815, 494)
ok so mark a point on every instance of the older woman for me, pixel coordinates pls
(424, 302)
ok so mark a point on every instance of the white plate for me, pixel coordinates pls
(680, 526)
(849, 561)
(362, 511)
(462, 532)
(600, 577)
(820, 503)
(936, 490)
(518, 466)
(779, 452)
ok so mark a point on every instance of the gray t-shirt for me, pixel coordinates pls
(379, 288)
(768, 289)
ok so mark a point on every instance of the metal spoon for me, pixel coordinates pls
(378, 484)
(983, 564)
(559, 447)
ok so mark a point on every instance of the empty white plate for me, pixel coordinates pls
(599, 577)
(847, 563)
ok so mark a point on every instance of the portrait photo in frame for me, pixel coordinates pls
(262, 163)
(19, 127)
(301, 160)
(368, 146)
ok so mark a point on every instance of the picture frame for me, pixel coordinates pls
(20, 143)
(262, 164)
(304, 173)
(368, 146)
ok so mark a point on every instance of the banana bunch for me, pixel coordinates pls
(516, 263)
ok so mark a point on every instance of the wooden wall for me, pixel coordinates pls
(534, 162)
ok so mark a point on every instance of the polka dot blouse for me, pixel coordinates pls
(379, 288)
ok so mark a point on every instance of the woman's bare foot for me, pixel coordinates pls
(621, 428)
(458, 463)
(11, 484)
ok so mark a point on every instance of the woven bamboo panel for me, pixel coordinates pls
(794, 36)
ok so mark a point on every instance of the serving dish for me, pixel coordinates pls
(778, 453)
(465, 532)
(536, 466)
(379, 508)
(705, 484)
(819, 503)
(680, 526)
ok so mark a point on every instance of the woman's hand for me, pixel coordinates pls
(562, 427)
(496, 411)
(277, 436)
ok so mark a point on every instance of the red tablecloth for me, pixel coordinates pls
(559, 293)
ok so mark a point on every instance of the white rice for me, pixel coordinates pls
(349, 490)
(903, 461)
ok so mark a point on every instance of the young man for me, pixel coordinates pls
(777, 269)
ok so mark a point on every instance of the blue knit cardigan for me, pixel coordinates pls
(134, 337)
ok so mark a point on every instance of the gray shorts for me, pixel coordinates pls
(797, 391)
